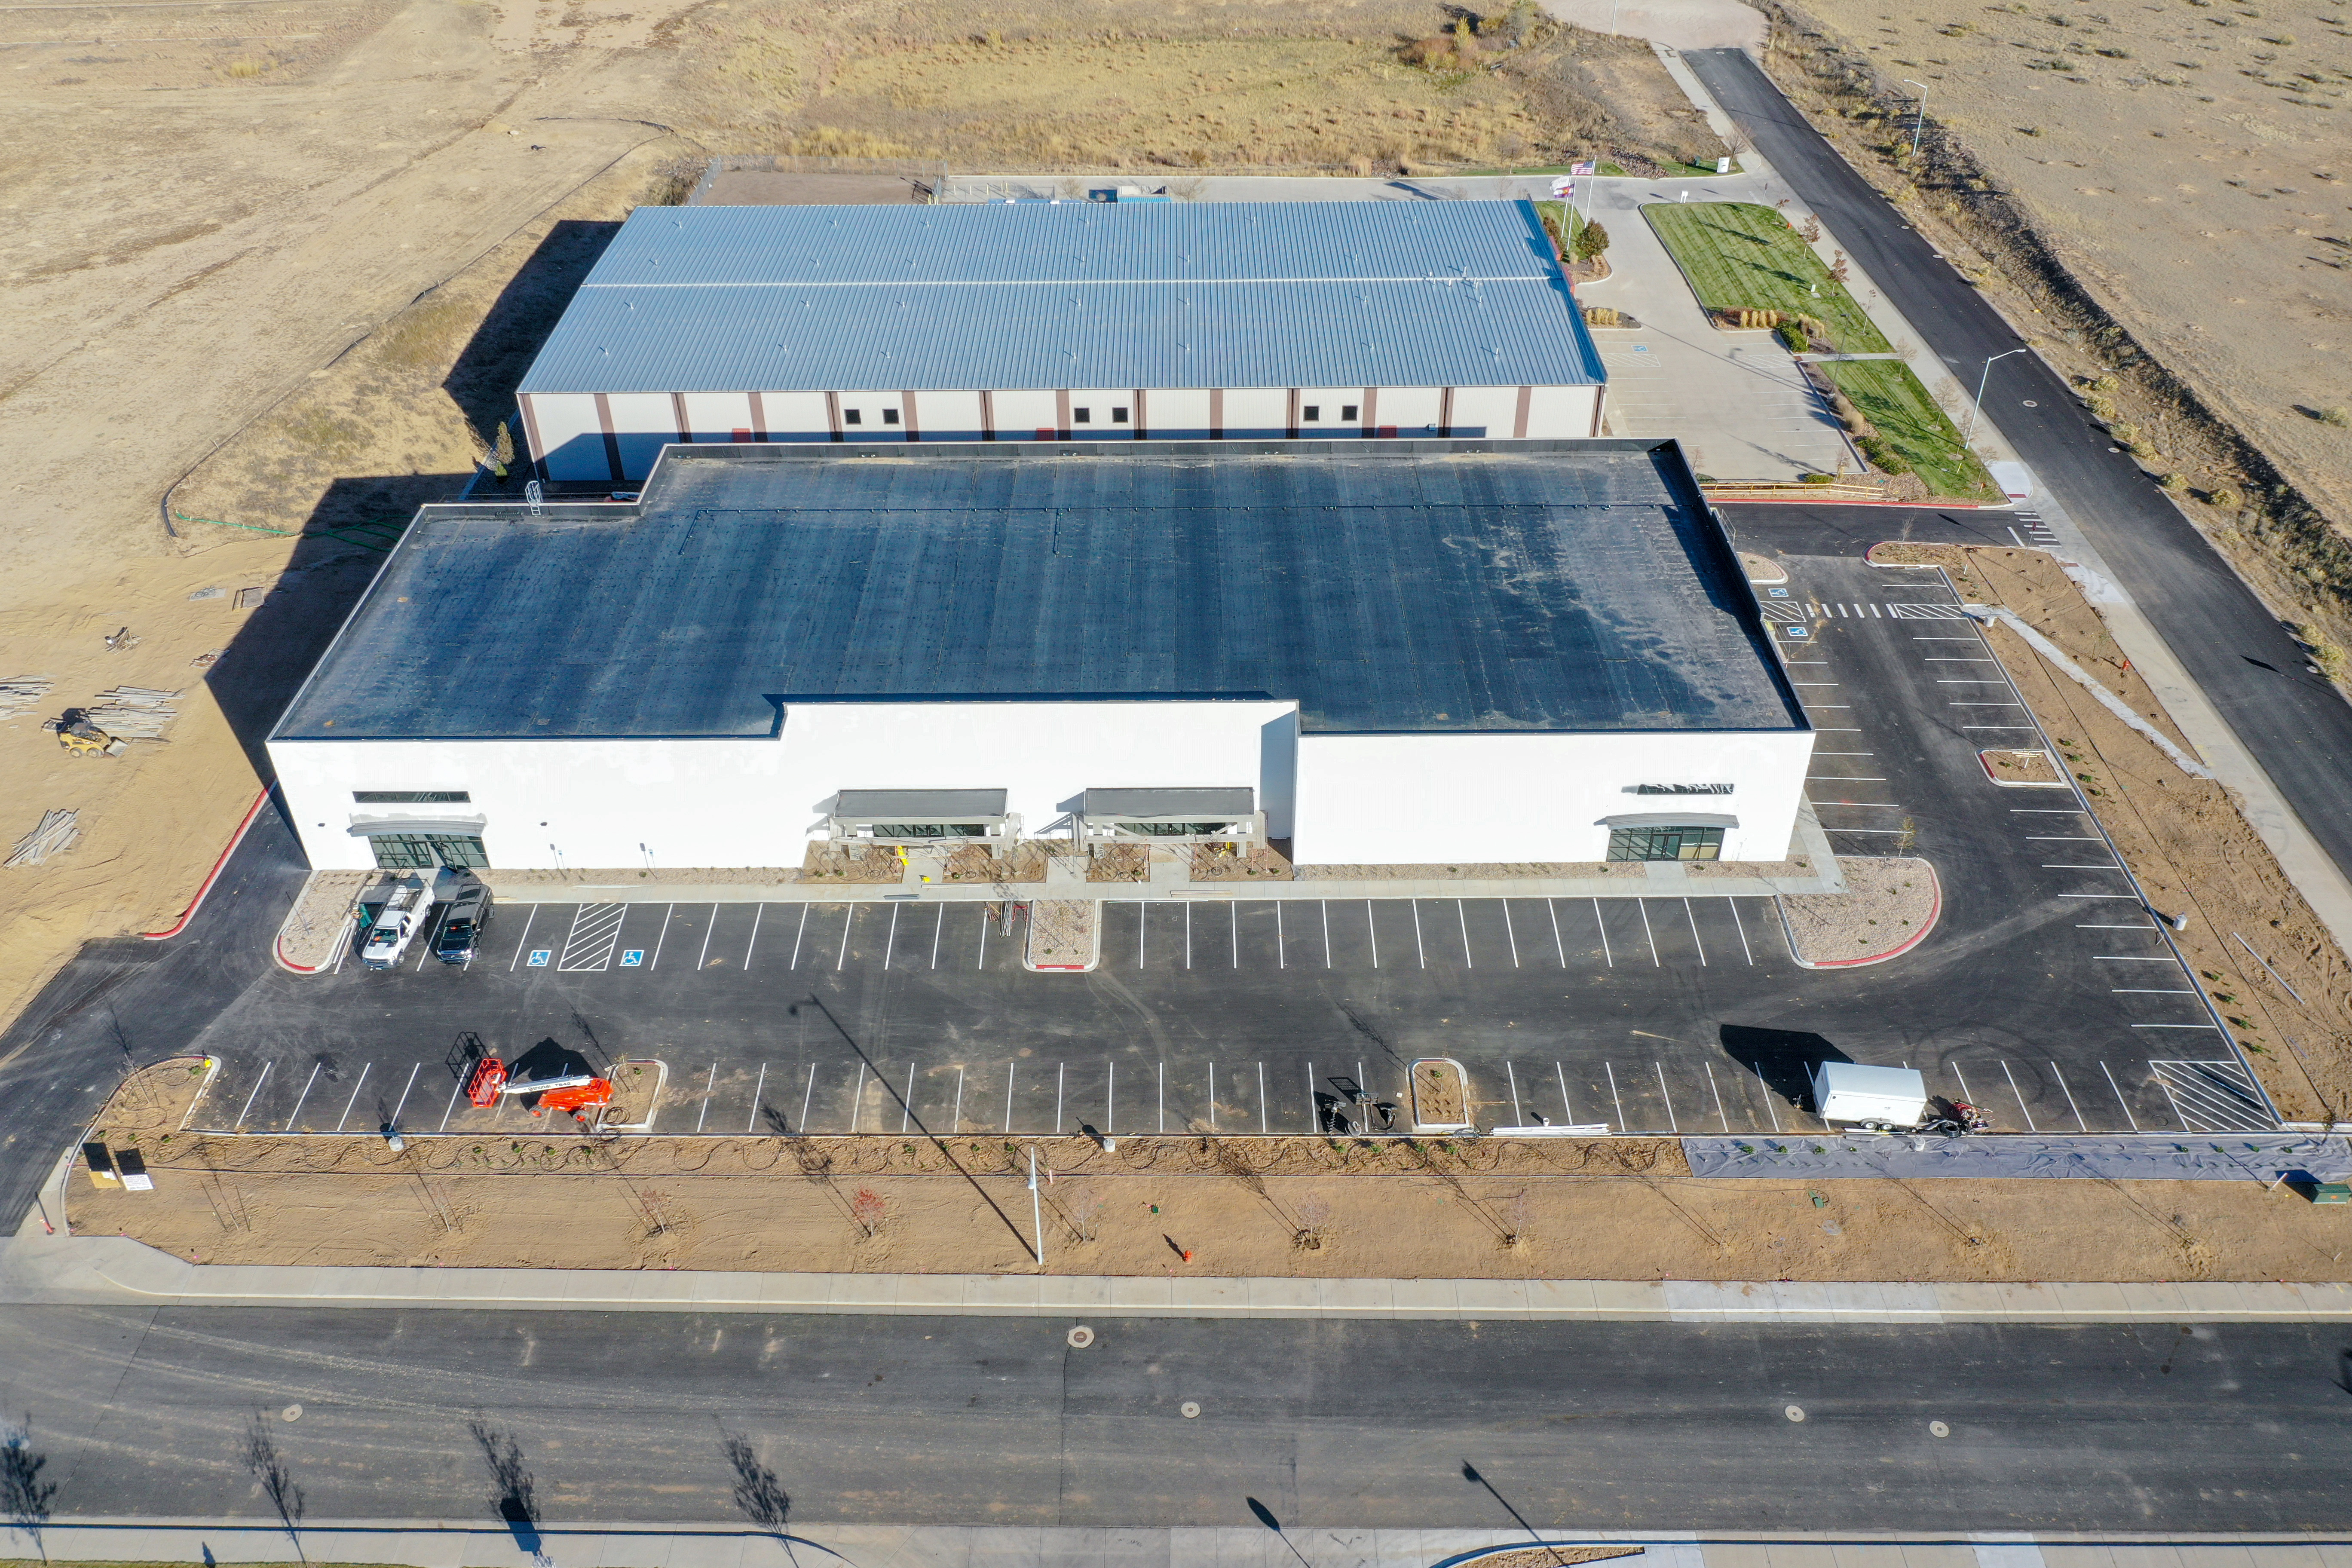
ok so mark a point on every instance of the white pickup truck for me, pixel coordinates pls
(406, 912)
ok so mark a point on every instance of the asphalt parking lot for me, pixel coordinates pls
(2047, 995)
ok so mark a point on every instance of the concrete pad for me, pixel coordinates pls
(2088, 1300)
(931, 1292)
(1284, 1299)
(795, 1291)
(1425, 1299)
(1004, 1292)
(2260, 1298)
(1968, 1302)
(1559, 1298)
(2207, 1298)
(1213, 1297)
(2162, 1300)
(1078, 1292)
(1353, 1298)
(2033, 1303)
(1706, 1300)
(1490, 1297)
(1149, 1296)
(1629, 1299)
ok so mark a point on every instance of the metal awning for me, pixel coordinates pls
(1672, 819)
(1158, 804)
(920, 805)
(387, 827)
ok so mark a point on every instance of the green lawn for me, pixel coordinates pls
(1740, 256)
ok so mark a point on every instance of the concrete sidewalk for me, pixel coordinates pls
(474, 1543)
(37, 1269)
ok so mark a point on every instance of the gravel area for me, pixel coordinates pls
(1889, 905)
(2026, 767)
(1065, 932)
(307, 939)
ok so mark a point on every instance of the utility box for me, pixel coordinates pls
(1848, 1091)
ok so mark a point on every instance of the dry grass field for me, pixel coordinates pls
(274, 268)
(2190, 162)
(1364, 85)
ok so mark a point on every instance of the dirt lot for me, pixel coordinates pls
(2183, 836)
(275, 269)
(2190, 162)
(1571, 1209)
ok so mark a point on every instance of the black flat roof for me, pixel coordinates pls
(1385, 587)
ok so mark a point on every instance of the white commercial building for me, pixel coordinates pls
(1403, 653)
(1062, 320)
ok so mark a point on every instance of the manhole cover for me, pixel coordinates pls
(292, 1413)
(1189, 1410)
(1939, 1429)
(1081, 1337)
(1794, 1412)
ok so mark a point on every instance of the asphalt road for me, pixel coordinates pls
(122, 1003)
(627, 1418)
(2300, 730)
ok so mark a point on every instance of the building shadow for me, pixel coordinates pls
(359, 518)
(1781, 1059)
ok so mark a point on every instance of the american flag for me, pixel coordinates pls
(1584, 168)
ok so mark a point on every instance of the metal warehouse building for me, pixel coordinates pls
(1039, 321)
(1395, 653)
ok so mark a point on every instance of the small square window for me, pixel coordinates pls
(1082, 415)
(852, 417)
(1348, 411)
(1118, 416)
(889, 417)
(1312, 412)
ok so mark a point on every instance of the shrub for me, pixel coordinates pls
(1881, 454)
(1591, 241)
(2226, 497)
(1792, 337)
(2339, 417)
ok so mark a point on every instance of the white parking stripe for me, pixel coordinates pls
(751, 945)
(663, 935)
(395, 1122)
(702, 959)
(354, 1100)
(2119, 1098)
(523, 943)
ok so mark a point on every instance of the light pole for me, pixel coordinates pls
(1977, 407)
(1919, 119)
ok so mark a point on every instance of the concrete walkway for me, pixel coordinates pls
(37, 1269)
(474, 1543)
(1656, 879)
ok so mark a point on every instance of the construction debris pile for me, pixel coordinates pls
(133, 712)
(54, 835)
(20, 694)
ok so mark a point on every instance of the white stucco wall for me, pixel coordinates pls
(758, 802)
(1378, 799)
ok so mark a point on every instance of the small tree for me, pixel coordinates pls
(1812, 233)
(1591, 241)
(502, 453)
(1837, 265)
(868, 1207)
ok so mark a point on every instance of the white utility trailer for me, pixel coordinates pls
(1848, 1091)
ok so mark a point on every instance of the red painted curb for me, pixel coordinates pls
(277, 949)
(198, 901)
(1934, 914)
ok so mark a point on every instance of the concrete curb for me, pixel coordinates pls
(100, 1270)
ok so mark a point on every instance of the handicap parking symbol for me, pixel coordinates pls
(632, 957)
(1777, 593)
(1798, 633)
(539, 955)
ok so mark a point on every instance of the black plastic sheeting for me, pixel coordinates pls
(2184, 1157)
(1456, 586)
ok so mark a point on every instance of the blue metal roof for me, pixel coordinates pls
(1413, 586)
(1075, 294)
